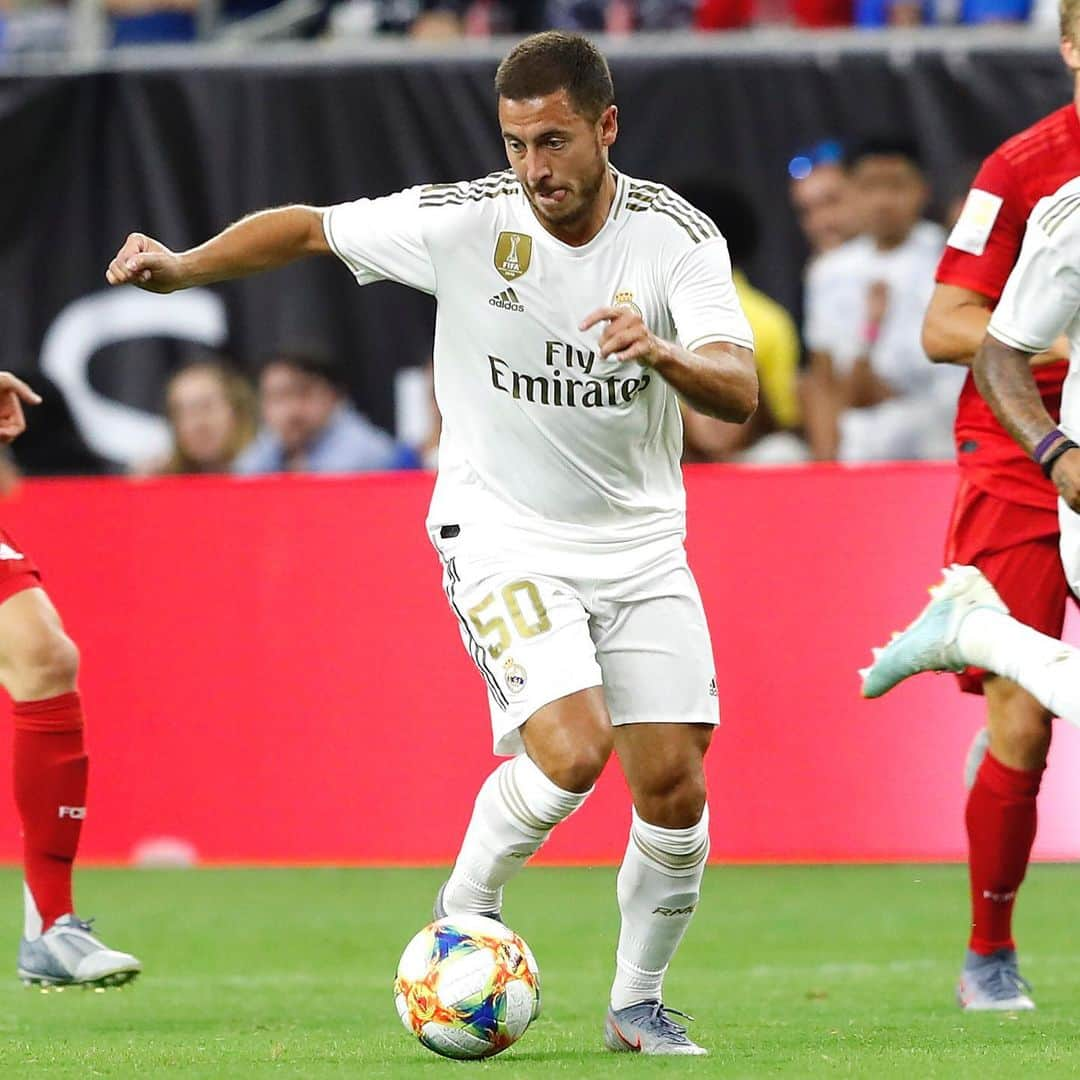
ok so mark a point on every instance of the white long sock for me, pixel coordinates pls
(1045, 667)
(659, 884)
(515, 811)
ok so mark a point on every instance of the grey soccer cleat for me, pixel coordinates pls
(929, 643)
(439, 911)
(647, 1028)
(68, 954)
(993, 984)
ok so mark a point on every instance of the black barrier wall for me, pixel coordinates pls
(178, 153)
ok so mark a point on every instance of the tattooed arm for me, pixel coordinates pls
(1003, 376)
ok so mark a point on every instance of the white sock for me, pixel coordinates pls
(32, 924)
(659, 884)
(1045, 667)
(514, 814)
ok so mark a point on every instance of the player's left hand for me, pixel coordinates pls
(13, 392)
(1066, 477)
(626, 337)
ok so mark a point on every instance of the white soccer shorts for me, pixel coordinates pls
(1070, 545)
(536, 638)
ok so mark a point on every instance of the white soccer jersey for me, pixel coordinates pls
(1041, 299)
(544, 440)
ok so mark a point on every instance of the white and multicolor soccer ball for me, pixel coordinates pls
(467, 987)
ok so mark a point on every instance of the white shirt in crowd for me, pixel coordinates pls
(545, 444)
(918, 423)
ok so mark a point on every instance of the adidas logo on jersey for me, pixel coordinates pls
(507, 300)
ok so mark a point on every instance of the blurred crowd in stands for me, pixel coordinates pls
(47, 25)
(852, 384)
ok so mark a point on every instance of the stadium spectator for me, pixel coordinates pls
(822, 196)
(870, 393)
(32, 26)
(872, 14)
(625, 16)
(309, 425)
(771, 435)
(212, 416)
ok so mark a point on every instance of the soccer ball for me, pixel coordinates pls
(467, 987)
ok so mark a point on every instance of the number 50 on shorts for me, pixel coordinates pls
(528, 624)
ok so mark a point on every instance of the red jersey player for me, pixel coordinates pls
(1005, 523)
(38, 668)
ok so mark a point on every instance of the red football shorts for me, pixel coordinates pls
(17, 570)
(1016, 547)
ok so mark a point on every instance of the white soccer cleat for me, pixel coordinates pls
(68, 954)
(929, 643)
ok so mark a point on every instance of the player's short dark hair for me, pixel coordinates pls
(555, 60)
(310, 360)
(885, 146)
(730, 209)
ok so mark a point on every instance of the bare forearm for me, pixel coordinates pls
(720, 381)
(262, 241)
(1003, 376)
(955, 326)
(953, 336)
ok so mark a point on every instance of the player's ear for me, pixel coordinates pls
(609, 125)
(1070, 54)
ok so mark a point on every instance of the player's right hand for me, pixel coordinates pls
(146, 264)
(1066, 477)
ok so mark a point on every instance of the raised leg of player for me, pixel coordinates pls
(660, 877)
(568, 742)
(1045, 667)
(38, 667)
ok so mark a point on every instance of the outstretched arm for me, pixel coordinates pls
(262, 241)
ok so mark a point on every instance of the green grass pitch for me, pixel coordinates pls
(790, 971)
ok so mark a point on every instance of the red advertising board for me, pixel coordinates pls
(271, 673)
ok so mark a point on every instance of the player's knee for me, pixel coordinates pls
(676, 801)
(581, 768)
(46, 664)
(1020, 729)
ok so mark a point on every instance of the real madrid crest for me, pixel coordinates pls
(513, 253)
(515, 676)
(625, 298)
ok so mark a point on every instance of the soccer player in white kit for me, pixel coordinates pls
(966, 623)
(575, 306)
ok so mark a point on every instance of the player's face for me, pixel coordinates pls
(558, 155)
(825, 207)
(892, 195)
(296, 406)
(202, 417)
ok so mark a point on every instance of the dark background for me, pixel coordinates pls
(180, 152)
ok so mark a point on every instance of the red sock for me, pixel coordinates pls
(1001, 820)
(50, 792)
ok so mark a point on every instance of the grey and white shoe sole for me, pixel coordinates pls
(929, 643)
(113, 980)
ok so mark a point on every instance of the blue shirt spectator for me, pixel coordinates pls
(877, 13)
(310, 427)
